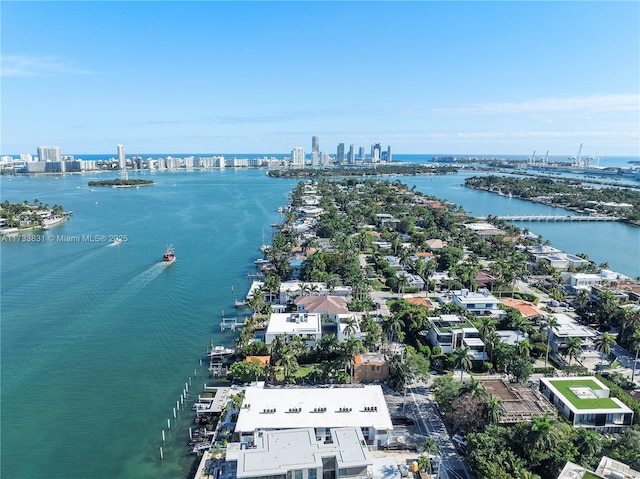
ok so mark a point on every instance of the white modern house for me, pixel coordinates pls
(323, 409)
(449, 332)
(585, 402)
(480, 302)
(566, 328)
(562, 261)
(300, 454)
(307, 326)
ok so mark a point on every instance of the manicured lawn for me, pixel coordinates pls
(563, 388)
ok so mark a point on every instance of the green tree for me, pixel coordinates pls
(462, 359)
(572, 351)
(634, 342)
(552, 325)
(603, 345)
(493, 411)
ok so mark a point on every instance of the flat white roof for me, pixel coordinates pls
(280, 451)
(569, 327)
(317, 406)
(294, 323)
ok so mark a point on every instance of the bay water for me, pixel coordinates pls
(98, 341)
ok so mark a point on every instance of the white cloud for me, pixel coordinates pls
(31, 66)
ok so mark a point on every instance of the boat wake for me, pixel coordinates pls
(144, 278)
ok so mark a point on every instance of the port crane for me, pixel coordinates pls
(576, 160)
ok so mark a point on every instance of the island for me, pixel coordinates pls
(359, 171)
(570, 194)
(15, 217)
(121, 183)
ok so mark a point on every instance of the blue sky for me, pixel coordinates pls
(263, 77)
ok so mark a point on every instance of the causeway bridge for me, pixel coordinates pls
(558, 218)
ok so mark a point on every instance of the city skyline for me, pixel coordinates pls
(426, 77)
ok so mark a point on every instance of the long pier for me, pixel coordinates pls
(557, 218)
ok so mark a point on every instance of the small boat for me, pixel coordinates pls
(220, 352)
(169, 256)
(116, 241)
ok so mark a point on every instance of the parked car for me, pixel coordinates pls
(404, 470)
(459, 440)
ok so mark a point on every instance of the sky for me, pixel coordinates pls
(264, 77)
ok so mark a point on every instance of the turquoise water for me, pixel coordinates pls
(98, 341)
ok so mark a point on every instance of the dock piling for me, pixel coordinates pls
(174, 413)
(163, 439)
(161, 454)
(169, 424)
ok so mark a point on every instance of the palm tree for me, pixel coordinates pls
(289, 364)
(543, 434)
(630, 320)
(403, 282)
(572, 351)
(634, 342)
(491, 340)
(392, 326)
(552, 324)
(349, 349)
(487, 326)
(523, 347)
(462, 359)
(473, 388)
(256, 301)
(493, 411)
(429, 446)
(349, 326)
(603, 345)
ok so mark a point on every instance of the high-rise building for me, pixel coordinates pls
(361, 155)
(315, 144)
(297, 156)
(351, 158)
(389, 157)
(49, 153)
(122, 161)
(340, 154)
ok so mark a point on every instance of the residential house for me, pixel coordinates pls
(568, 327)
(480, 302)
(526, 308)
(449, 332)
(306, 326)
(300, 454)
(370, 368)
(607, 469)
(586, 402)
(329, 306)
(320, 408)
(343, 332)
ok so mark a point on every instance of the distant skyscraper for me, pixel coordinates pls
(49, 153)
(340, 154)
(315, 144)
(389, 157)
(122, 161)
(297, 156)
(352, 154)
(361, 155)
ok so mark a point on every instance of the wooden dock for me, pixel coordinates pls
(231, 324)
